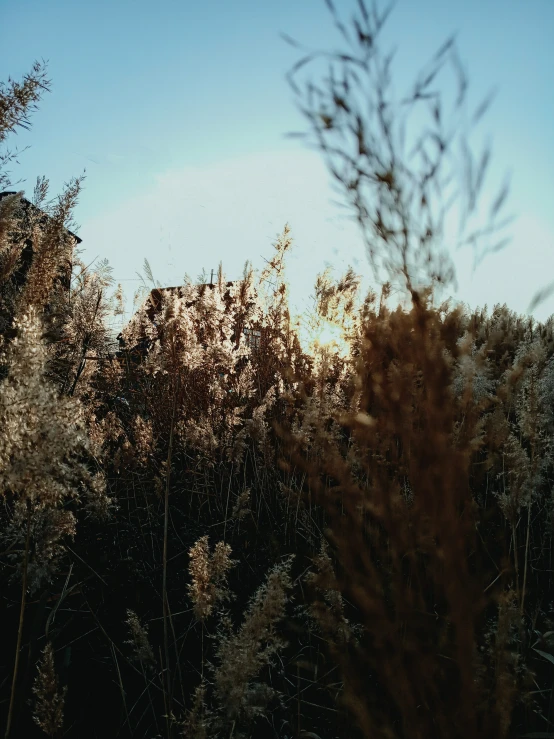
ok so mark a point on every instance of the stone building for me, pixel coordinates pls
(13, 274)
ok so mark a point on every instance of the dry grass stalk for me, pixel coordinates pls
(49, 698)
(242, 655)
(208, 573)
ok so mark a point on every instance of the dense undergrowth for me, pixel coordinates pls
(205, 536)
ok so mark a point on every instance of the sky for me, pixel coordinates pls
(178, 113)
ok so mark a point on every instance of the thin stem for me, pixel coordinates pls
(533, 467)
(20, 628)
(227, 504)
(526, 558)
(164, 580)
(202, 647)
(514, 543)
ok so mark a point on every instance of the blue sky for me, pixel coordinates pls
(178, 112)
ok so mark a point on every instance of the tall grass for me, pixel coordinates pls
(204, 536)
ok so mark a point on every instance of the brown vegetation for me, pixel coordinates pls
(215, 537)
